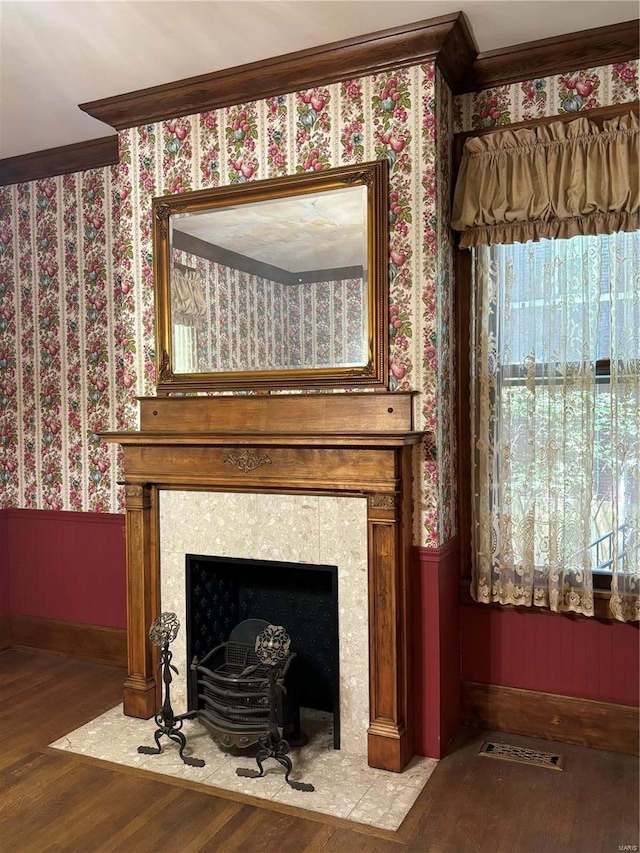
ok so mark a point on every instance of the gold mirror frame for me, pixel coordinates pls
(374, 177)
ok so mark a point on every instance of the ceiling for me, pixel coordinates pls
(56, 55)
(322, 230)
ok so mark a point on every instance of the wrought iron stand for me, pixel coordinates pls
(272, 650)
(163, 631)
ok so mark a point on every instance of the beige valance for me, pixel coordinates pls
(188, 306)
(557, 180)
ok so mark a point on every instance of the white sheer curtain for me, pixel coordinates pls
(185, 349)
(556, 422)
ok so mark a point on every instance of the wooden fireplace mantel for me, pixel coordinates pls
(327, 444)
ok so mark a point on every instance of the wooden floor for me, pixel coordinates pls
(56, 801)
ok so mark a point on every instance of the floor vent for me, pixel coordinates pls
(508, 752)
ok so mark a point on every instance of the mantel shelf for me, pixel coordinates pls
(279, 439)
(305, 415)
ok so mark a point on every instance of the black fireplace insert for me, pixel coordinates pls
(223, 592)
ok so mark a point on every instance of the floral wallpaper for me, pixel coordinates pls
(76, 266)
(313, 324)
(58, 365)
(547, 96)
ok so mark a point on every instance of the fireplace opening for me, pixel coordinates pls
(222, 592)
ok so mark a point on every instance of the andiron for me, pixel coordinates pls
(272, 651)
(162, 633)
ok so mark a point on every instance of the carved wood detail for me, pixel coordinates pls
(382, 501)
(247, 461)
(318, 458)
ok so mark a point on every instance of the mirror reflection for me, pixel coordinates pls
(278, 284)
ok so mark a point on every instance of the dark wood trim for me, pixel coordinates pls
(92, 154)
(445, 39)
(5, 632)
(601, 598)
(462, 313)
(585, 722)
(557, 55)
(260, 269)
(89, 642)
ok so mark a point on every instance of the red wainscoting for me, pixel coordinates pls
(4, 584)
(437, 650)
(570, 656)
(67, 566)
(4, 566)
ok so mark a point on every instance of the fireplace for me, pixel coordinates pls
(283, 530)
(287, 448)
(222, 592)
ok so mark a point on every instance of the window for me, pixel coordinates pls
(552, 212)
(185, 349)
(556, 418)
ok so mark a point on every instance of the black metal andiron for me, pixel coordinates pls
(164, 629)
(272, 651)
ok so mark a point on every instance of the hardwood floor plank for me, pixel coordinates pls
(100, 806)
(258, 831)
(190, 815)
(345, 839)
(201, 839)
(508, 806)
(121, 839)
(57, 802)
(30, 821)
(52, 696)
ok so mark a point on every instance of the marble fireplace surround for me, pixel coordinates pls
(355, 445)
(285, 528)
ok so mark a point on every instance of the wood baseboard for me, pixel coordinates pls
(5, 639)
(599, 725)
(90, 642)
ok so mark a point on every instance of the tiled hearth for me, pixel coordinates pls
(345, 787)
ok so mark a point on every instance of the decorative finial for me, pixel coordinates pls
(164, 629)
(272, 645)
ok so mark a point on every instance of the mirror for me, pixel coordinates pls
(274, 284)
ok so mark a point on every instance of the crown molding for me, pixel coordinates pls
(557, 55)
(445, 40)
(92, 154)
